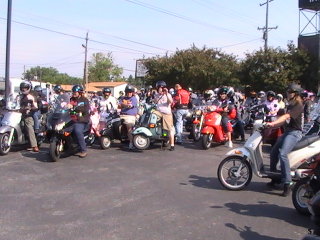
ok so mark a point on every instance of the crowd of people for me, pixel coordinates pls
(172, 106)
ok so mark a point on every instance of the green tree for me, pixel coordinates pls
(51, 75)
(273, 69)
(197, 68)
(102, 69)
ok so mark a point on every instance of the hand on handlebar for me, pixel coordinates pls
(269, 125)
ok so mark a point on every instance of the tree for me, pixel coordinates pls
(51, 75)
(197, 68)
(102, 69)
(273, 69)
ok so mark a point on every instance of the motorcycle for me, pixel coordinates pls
(235, 171)
(149, 130)
(12, 132)
(198, 119)
(60, 127)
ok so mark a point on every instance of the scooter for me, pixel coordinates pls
(12, 129)
(60, 127)
(212, 130)
(235, 171)
(149, 130)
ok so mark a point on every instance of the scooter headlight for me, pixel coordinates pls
(60, 126)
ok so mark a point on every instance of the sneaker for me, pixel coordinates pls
(171, 148)
(287, 189)
(228, 144)
(82, 154)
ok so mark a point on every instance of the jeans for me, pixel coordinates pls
(36, 118)
(280, 151)
(180, 115)
(78, 129)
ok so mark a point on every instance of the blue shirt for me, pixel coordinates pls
(129, 111)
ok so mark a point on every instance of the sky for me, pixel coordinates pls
(50, 33)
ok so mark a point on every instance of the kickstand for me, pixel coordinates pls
(162, 144)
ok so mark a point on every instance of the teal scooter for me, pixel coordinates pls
(149, 130)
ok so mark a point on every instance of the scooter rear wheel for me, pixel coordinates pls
(234, 173)
(4, 144)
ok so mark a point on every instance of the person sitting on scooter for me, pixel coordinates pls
(129, 111)
(290, 137)
(163, 99)
(28, 106)
(272, 106)
(223, 106)
(80, 114)
(108, 102)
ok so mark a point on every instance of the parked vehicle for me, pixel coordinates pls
(12, 132)
(149, 130)
(235, 171)
(313, 206)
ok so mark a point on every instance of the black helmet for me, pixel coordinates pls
(57, 89)
(304, 94)
(77, 88)
(25, 87)
(294, 88)
(230, 92)
(129, 89)
(222, 90)
(161, 84)
(271, 94)
(106, 90)
(38, 88)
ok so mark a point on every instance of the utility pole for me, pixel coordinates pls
(85, 72)
(266, 28)
(7, 71)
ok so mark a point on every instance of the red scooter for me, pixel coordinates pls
(212, 130)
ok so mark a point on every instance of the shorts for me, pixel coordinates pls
(128, 119)
(167, 120)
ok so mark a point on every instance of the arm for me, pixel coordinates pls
(280, 120)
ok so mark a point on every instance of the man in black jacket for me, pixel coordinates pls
(80, 114)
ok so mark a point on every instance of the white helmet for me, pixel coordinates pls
(280, 96)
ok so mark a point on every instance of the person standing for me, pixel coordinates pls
(181, 101)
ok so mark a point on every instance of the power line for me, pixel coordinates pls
(74, 36)
(161, 10)
(236, 44)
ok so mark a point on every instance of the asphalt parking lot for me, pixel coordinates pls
(156, 195)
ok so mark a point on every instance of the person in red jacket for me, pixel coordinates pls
(227, 110)
(181, 101)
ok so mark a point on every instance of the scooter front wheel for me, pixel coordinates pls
(105, 142)
(301, 194)
(4, 144)
(234, 173)
(55, 150)
(206, 141)
(141, 142)
(196, 132)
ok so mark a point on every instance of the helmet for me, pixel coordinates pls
(161, 84)
(150, 87)
(142, 89)
(77, 88)
(38, 88)
(230, 92)
(171, 91)
(129, 89)
(190, 89)
(57, 89)
(294, 88)
(304, 94)
(271, 94)
(280, 96)
(106, 90)
(261, 94)
(25, 87)
(223, 90)
(208, 94)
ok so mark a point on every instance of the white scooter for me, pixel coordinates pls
(235, 171)
(11, 130)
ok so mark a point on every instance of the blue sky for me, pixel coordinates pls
(131, 31)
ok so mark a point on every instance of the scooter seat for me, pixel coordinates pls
(305, 141)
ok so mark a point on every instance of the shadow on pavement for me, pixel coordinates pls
(213, 183)
(247, 233)
(273, 211)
